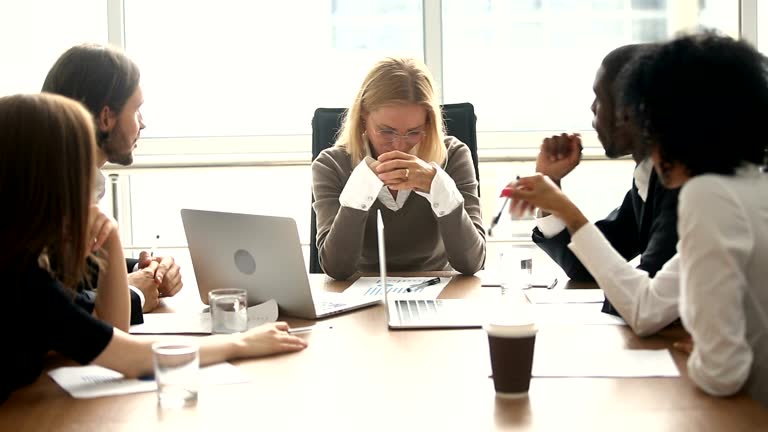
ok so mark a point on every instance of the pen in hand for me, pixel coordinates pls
(495, 220)
(153, 251)
(426, 283)
(299, 330)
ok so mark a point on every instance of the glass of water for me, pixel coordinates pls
(229, 310)
(516, 268)
(177, 369)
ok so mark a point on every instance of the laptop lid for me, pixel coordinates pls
(261, 254)
(382, 261)
(452, 313)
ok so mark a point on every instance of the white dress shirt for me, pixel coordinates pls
(99, 186)
(138, 293)
(364, 187)
(551, 226)
(716, 281)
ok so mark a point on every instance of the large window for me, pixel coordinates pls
(241, 67)
(34, 33)
(762, 27)
(529, 64)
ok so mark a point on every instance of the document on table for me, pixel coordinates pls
(573, 313)
(199, 322)
(85, 382)
(542, 295)
(398, 287)
(618, 364)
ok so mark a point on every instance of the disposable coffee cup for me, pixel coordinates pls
(511, 346)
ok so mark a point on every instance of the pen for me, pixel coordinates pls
(299, 330)
(550, 286)
(153, 251)
(495, 220)
(426, 283)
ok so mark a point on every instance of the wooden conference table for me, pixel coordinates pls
(357, 375)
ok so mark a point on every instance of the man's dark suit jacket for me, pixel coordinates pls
(86, 298)
(647, 228)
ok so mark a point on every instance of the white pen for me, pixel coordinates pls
(299, 330)
(153, 251)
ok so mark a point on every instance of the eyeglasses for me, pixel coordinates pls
(411, 138)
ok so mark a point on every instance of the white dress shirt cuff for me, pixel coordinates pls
(361, 189)
(138, 293)
(594, 251)
(444, 196)
(550, 226)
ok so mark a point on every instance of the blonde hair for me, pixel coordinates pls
(395, 80)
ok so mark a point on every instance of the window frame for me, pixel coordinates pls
(294, 149)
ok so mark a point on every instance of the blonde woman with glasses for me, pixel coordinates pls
(392, 155)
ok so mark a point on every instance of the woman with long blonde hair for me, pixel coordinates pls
(392, 155)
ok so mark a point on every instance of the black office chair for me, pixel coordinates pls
(460, 122)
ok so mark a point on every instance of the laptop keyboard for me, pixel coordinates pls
(414, 311)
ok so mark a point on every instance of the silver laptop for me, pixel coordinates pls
(261, 254)
(424, 313)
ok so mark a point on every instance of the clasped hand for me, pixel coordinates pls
(157, 277)
(559, 155)
(401, 171)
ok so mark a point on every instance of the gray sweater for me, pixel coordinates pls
(417, 240)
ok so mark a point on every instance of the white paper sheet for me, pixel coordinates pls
(397, 287)
(85, 382)
(573, 313)
(619, 363)
(543, 295)
(200, 322)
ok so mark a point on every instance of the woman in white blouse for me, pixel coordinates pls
(700, 102)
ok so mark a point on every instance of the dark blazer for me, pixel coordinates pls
(86, 297)
(646, 228)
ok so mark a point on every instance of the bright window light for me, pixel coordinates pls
(528, 65)
(241, 67)
(34, 33)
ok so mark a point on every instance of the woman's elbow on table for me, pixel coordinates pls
(724, 383)
(337, 271)
(468, 266)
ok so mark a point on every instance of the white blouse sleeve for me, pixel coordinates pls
(550, 225)
(362, 188)
(646, 304)
(444, 196)
(715, 245)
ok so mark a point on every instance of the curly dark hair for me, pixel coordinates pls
(702, 101)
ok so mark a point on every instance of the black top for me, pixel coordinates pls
(86, 297)
(40, 316)
(646, 228)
